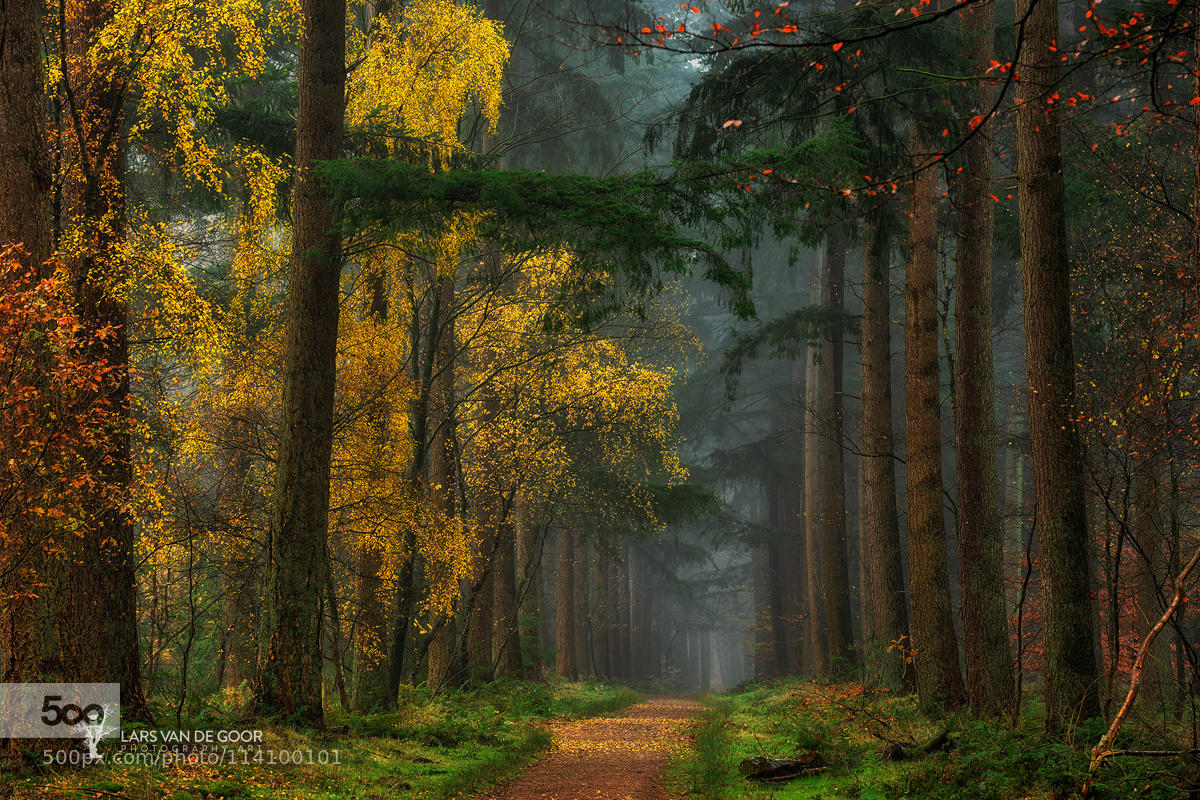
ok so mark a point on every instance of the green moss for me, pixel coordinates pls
(847, 726)
(453, 744)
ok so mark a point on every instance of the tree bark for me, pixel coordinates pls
(290, 654)
(438, 430)
(980, 529)
(1150, 569)
(240, 609)
(624, 644)
(371, 689)
(507, 642)
(764, 628)
(370, 661)
(25, 174)
(421, 375)
(880, 517)
(482, 618)
(583, 623)
(564, 605)
(102, 644)
(529, 555)
(835, 569)
(794, 567)
(939, 682)
(1070, 667)
(28, 626)
(602, 615)
(818, 636)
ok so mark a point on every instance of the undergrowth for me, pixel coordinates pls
(849, 726)
(451, 745)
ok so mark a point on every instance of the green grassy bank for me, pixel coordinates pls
(849, 728)
(448, 746)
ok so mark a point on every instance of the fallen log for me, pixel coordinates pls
(778, 770)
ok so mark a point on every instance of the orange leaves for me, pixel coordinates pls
(61, 398)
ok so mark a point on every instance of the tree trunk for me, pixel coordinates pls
(240, 609)
(614, 616)
(25, 174)
(421, 375)
(812, 493)
(980, 529)
(1070, 666)
(488, 512)
(583, 624)
(639, 601)
(370, 662)
(290, 671)
(435, 433)
(939, 682)
(795, 599)
(29, 629)
(507, 642)
(371, 690)
(835, 570)
(1150, 570)
(335, 643)
(602, 615)
(102, 615)
(564, 605)
(880, 518)
(624, 643)
(764, 629)
(529, 556)
(794, 566)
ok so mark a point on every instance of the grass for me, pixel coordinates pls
(449, 746)
(847, 726)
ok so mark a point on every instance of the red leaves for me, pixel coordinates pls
(61, 399)
(837, 46)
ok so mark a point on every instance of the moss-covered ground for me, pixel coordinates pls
(849, 727)
(438, 747)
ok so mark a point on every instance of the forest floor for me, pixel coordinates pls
(577, 741)
(614, 758)
(844, 730)
(453, 745)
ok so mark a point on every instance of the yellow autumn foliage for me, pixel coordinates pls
(422, 73)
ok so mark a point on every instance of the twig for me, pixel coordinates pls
(1103, 748)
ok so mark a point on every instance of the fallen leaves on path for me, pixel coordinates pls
(608, 758)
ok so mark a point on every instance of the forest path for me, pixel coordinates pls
(608, 758)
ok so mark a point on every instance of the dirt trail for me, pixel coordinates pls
(608, 758)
